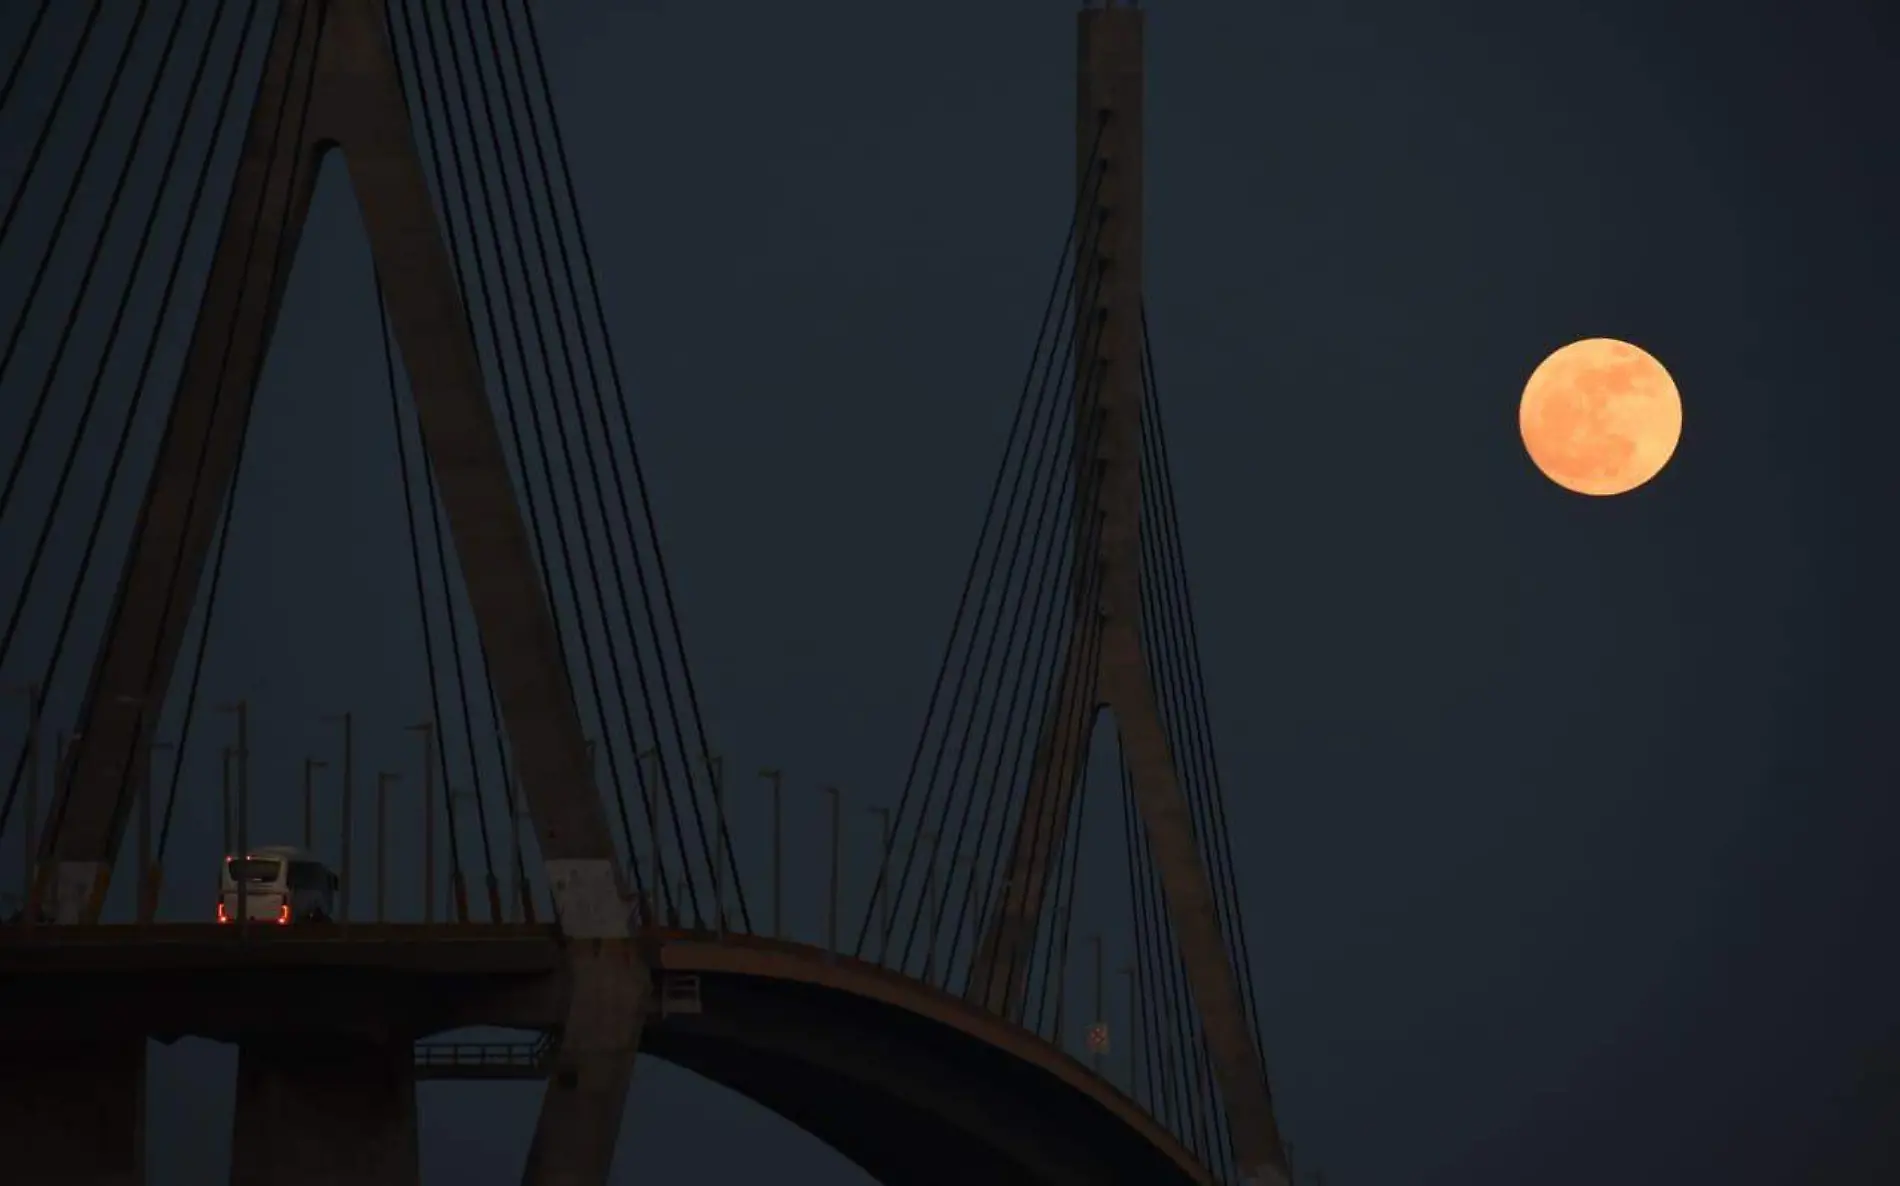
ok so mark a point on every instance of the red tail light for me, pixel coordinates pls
(222, 916)
(283, 916)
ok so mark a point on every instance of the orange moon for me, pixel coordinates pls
(1600, 417)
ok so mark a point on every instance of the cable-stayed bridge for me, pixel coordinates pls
(570, 855)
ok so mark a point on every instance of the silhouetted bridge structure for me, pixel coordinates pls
(579, 878)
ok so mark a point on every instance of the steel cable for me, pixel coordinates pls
(640, 493)
(1046, 495)
(70, 602)
(58, 232)
(298, 156)
(1024, 405)
(589, 558)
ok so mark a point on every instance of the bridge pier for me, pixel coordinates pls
(579, 1125)
(72, 1113)
(325, 1111)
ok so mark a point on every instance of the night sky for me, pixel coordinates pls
(1564, 824)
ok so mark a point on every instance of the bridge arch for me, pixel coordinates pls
(915, 1085)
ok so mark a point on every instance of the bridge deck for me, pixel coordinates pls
(205, 979)
(440, 947)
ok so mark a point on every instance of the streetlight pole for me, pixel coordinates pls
(656, 825)
(1100, 993)
(310, 767)
(243, 713)
(458, 888)
(63, 769)
(831, 907)
(777, 779)
(717, 767)
(882, 906)
(427, 732)
(148, 870)
(225, 756)
(29, 848)
(383, 780)
(1134, 1035)
(348, 824)
(930, 903)
(513, 791)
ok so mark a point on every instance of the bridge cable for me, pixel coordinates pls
(538, 429)
(1055, 492)
(410, 73)
(1192, 746)
(1064, 830)
(1172, 677)
(473, 282)
(1026, 401)
(1174, 1001)
(1049, 494)
(70, 603)
(26, 50)
(997, 598)
(56, 823)
(1157, 1084)
(497, 35)
(458, 885)
(87, 273)
(1177, 1004)
(1079, 659)
(1058, 949)
(642, 496)
(53, 113)
(1058, 545)
(1220, 841)
(1069, 655)
(567, 463)
(274, 287)
(58, 234)
(459, 891)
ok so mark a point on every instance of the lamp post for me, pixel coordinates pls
(348, 822)
(458, 888)
(148, 868)
(225, 794)
(384, 779)
(717, 768)
(1100, 1006)
(882, 906)
(513, 792)
(777, 779)
(426, 730)
(831, 907)
(243, 753)
(930, 902)
(1134, 1035)
(655, 804)
(29, 847)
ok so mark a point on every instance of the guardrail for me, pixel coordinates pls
(527, 1059)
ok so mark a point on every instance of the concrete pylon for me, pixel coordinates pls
(331, 81)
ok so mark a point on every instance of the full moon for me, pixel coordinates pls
(1600, 417)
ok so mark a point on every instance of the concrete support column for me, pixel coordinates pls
(574, 1137)
(328, 1111)
(73, 1113)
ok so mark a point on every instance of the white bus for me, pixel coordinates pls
(279, 885)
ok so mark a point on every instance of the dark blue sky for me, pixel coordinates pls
(1563, 824)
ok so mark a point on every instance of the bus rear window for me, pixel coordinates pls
(253, 871)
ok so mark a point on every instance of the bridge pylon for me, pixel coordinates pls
(331, 81)
(1113, 670)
